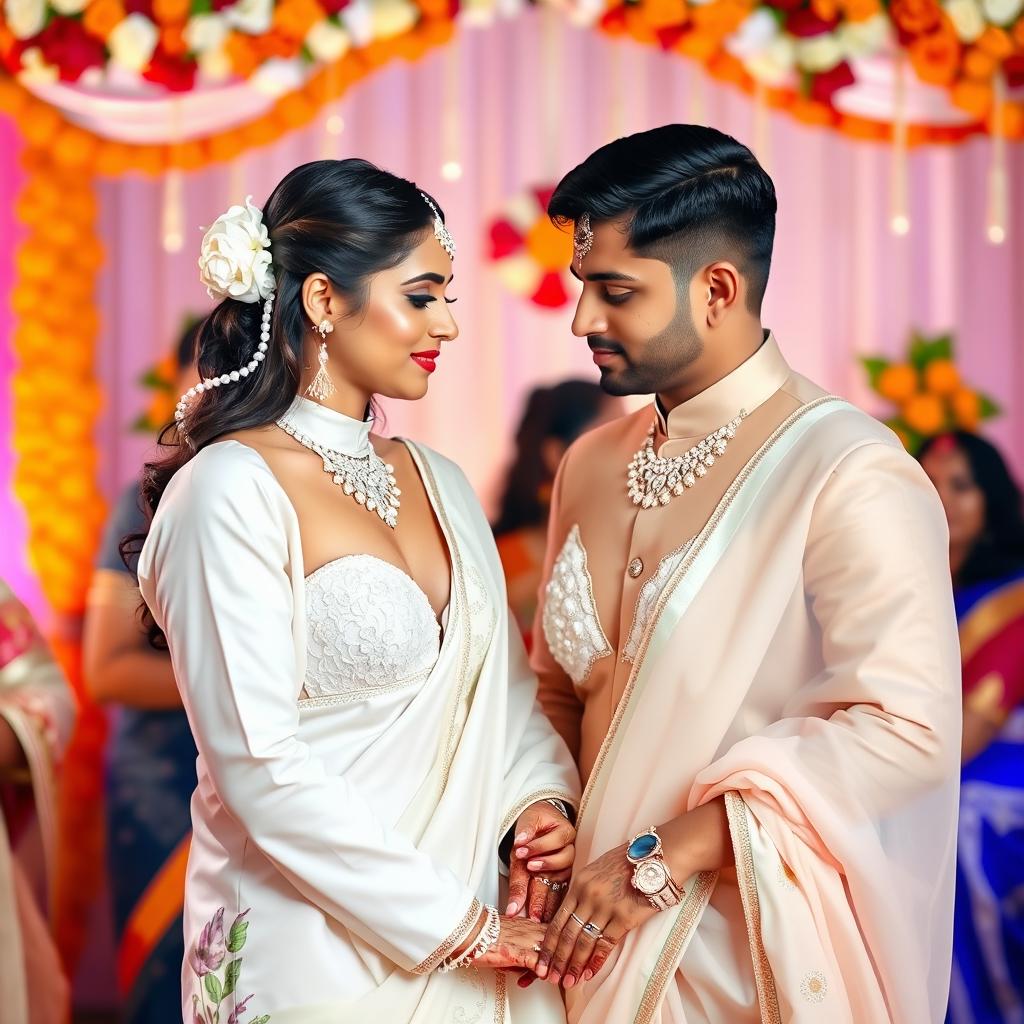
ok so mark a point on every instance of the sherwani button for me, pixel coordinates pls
(636, 567)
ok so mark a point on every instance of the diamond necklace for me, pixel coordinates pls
(367, 477)
(654, 480)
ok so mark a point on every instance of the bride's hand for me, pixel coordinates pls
(541, 862)
(517, 948)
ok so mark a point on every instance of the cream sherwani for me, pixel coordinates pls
(782, 634)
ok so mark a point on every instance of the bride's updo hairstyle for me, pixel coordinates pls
(347, 219)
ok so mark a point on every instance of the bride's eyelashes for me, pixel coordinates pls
(422, 301)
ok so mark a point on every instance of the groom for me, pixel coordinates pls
(746, 636)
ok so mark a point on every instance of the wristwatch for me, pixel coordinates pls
(651, 877)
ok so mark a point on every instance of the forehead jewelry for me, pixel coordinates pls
(441, 232)
(583, 238)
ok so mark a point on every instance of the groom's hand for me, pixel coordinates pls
(541, 861)
(601, 896)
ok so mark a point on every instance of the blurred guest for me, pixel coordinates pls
(151, 771)
(37, 712)
(553, 418)
(986, 552)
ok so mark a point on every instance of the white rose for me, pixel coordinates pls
(69, 6)
(35, 70)
(1002, 12)
(235, 257)
(864, 38)
(252, 16)
(205, 32)
(133, 41)
(215, 66)
(25, 17)
(774, 64)
(327, 41)
(967, 18)
(819, 53)
(393, 17)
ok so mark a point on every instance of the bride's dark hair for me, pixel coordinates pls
(347, 219)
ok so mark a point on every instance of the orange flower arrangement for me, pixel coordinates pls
(929, 392)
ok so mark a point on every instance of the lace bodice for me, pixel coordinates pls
(369, 628)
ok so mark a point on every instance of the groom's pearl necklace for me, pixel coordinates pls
(656, 481)
(366, 477)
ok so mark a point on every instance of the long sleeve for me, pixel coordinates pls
(216, 572)
(556, 692)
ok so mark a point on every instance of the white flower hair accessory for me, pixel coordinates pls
(234, 260)
(235, 263)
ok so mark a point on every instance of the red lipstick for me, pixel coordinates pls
(426, 360)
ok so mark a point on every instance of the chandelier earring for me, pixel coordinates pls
(322, 387)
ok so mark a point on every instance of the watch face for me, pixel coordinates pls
(642, 846)
(650, 877)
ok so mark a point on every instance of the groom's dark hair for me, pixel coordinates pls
(691, 195)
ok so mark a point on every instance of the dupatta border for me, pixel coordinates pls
(739, 829)
(689, 914)
(696, 549)
(989, 616)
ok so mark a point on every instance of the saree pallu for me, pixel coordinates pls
(37, 704)
(988, 933)
(800, 664)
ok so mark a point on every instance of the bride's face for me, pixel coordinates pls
(395, 343)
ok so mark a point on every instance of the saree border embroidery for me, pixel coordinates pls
(455, 937)
(991, 615)
(648, 598)
(739, 829)
(690, 913)
(500, 998)
(699, 543)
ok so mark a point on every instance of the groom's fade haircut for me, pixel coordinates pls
(690, 195)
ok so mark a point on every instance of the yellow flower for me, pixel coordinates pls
(941, 377)
(925, 413)
(898, 382)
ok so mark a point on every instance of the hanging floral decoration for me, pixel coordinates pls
(530, 254)
(929, 393)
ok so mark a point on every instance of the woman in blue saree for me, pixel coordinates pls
(983, 506)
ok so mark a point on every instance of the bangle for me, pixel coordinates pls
(488, 936)
(562, 807)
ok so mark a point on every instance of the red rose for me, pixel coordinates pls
(173, 73)
(66, 45)
(805, 23)
(1013, 68)
(219, 5)
(333, 6)
(826, 84)
(786, 5)
(141, 7)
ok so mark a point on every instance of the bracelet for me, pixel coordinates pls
(560, 806)
(488, 937)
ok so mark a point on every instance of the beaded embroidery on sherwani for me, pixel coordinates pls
(571, 626)
(648, 598)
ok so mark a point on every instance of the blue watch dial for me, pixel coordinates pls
(642, 846)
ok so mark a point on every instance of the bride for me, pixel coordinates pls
(334, 608)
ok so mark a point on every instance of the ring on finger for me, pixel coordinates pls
(578, 920)
(546, 881)
(592, 930)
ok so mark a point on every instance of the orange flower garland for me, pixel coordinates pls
(929, 392)
(56, 403)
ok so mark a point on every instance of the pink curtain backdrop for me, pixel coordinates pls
(842, 283)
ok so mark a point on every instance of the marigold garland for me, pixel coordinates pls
(56, 403)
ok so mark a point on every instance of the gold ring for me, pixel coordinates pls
(546, 881)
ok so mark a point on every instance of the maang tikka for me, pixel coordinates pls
(321, 386)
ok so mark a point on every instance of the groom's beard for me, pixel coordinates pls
(658, 364)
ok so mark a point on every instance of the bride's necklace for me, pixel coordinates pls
(654, 480)
(365, 476)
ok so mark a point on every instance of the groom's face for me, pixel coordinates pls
(636, 316)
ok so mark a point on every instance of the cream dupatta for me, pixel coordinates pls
(842, 798)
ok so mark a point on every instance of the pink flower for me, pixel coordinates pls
(209, 951)
(236, 1013)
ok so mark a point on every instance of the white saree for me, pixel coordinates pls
(343, 843)
(801, 662)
